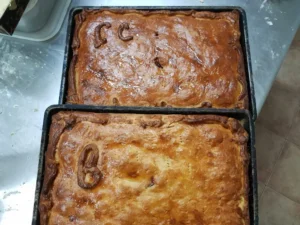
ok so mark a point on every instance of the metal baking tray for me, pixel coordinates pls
(241, 115)
(244, 43)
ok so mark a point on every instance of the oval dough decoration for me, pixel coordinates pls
(99, 40)
(87, 166)
(122, 27)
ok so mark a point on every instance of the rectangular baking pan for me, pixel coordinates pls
(244, 43)
(241, 115)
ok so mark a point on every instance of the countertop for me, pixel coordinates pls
(30, 76)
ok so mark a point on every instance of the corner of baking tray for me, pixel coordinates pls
(53, 108)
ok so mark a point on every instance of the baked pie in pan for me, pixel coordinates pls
(145, 169)
(157, 58)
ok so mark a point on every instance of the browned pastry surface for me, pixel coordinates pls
(122, 169)
(159, 58)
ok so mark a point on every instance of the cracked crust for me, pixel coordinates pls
(201, 53)
(155, 169)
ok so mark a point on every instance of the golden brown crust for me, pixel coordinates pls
(72, 93)
(166, 58)
(151, 169)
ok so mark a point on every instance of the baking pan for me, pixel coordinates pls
(244, 43)
(241, 115)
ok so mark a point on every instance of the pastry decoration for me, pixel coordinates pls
(88, 174)
(122, 27)
(98, 39)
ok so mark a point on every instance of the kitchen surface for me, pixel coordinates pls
(30, 76)
(278, 145)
